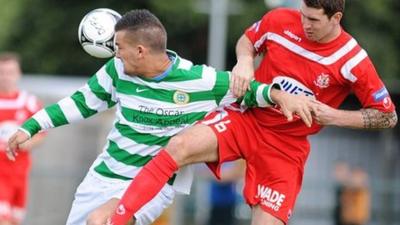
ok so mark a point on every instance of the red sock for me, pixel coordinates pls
(144, 187)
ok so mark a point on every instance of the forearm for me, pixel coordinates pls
(364, 119)
(84, 103)
(245, 52)
(375, 119)
(63, 112)
(49, 117)
(243, 71)
(33, 142)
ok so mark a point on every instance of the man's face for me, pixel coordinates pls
(129, 52)
(316, 24)
(10, 73)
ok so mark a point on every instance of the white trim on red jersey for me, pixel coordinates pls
(324, 60)
(17, 103)
(351, 63)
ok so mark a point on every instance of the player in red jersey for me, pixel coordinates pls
(308, 53)
(15, 107)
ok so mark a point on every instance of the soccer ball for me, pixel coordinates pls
(96, 32)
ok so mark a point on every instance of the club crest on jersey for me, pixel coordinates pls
(322, 80)
(181, 97)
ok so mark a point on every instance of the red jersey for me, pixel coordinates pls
(326, 71)
(14, 110)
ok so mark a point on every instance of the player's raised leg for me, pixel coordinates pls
(196, 144)
(104, 212)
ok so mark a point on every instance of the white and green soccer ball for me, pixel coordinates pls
(96, 32)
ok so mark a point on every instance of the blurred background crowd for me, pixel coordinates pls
(352, 177)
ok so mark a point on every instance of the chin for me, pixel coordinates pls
(312, 38)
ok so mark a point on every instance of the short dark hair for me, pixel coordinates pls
(9, 56)
(330, 7)
(145, 28)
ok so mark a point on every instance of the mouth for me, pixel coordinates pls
(310, 35)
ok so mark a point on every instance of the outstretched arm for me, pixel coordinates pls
(375, 119)
(262, 95)
(358, 119)
(96, 96)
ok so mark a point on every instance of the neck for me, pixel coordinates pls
(157, 65)
(8, 91)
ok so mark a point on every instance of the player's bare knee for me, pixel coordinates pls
(5, 222)
(94, 219)
(178, 149)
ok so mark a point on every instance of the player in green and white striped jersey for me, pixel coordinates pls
(156, 94)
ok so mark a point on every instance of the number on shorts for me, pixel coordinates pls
(221, 126)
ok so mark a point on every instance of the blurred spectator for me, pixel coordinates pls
(356, 199)
(223, 197)
(341, 174)
(15, 107)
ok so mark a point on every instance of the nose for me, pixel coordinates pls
(306, 24)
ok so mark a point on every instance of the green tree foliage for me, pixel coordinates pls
(44, 32)
(374, 24)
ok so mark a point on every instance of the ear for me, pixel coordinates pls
(337, 17)
(141, 50)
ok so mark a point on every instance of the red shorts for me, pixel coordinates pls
(274, 162)
(13, 193)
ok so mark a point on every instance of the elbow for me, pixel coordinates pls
(393, 120)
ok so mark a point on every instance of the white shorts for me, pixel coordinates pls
(95, 190)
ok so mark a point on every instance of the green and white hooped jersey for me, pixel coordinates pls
(148, 112)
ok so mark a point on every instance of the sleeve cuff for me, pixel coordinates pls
(30, 127)
(269, 99)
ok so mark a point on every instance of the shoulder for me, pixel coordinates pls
(185, 67)
(194, 77)
(192, 72)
